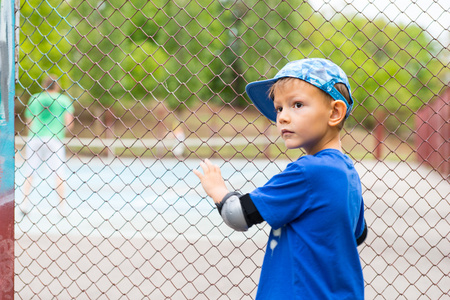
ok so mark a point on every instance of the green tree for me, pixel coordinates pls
(113, 61)
(270, 34)
(43, 44)
(181, 52)
(195, 37)
(216, 47)
(390, 65)
(393, 69)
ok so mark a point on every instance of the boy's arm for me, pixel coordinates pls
(69, 121)
(361, 227)
(238, 211)
(363, 235)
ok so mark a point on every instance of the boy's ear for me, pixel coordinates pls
(338, 111)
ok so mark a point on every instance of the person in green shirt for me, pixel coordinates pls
(49, 115)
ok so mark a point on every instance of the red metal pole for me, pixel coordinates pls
(6, 244)
(379, 135)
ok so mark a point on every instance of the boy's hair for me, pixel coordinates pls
(339, 86)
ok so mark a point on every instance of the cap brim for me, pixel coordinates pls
(258, 92)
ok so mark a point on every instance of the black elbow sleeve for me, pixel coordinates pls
(251, 213)
(363, 235)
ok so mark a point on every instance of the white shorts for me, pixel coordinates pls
(45, 153)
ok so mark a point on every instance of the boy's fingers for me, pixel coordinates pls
(207, 163)
(198, 173)
(204, 167)
(211, 166)
(207, 167)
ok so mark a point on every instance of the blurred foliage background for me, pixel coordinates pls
(115, 53)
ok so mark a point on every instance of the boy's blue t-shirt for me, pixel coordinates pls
(316, 212)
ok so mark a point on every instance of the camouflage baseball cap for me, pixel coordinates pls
(319, 72)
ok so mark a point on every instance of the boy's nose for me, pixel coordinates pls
(283, 117)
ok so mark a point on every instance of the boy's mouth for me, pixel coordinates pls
(286, 132)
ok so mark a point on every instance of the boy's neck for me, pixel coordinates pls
(332, 142)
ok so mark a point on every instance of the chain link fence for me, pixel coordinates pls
(111, 210)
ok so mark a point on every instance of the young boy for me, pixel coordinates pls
(315, 206)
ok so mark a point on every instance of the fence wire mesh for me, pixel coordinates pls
(106, 204)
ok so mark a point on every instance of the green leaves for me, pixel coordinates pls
(182, 52)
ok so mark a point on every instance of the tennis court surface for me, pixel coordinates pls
(142, 228)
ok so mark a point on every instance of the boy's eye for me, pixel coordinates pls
(278, 109)
(298, 105)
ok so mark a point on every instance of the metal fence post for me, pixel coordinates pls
(7, 90)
